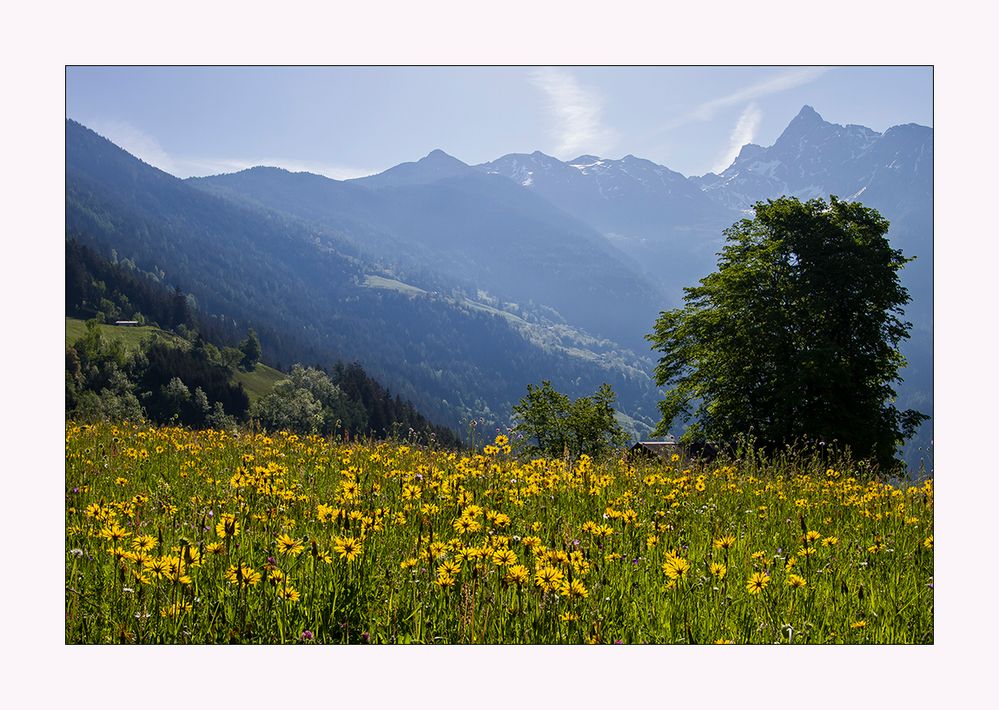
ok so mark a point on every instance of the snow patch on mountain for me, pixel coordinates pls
(763, 167)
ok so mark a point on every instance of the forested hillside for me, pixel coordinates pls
(307, 291)
(440, 216)
(195, 374)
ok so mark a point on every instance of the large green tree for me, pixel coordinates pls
(250, 347)
(309, 402)
(795, 337)
(552, 424)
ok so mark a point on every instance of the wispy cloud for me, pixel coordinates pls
(576, 113)
(743, 132)
(148, 149)
(783, 81)
(137, 142)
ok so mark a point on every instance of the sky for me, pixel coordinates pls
(346, 122)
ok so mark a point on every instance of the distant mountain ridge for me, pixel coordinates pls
(438, 215)
(812, 158)
(657, 216)
(579, 254)
(316, 294)
(604, 192)
(436, 165)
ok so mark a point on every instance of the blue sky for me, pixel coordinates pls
(351, 121)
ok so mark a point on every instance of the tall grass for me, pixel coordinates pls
(174, 536)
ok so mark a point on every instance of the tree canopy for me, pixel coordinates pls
(552, 424)
(795, 336)
(250, 347)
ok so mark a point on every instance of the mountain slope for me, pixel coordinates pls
(310, 293)
(653, 214)
(615, 196)
(436, 165)
(811, 157)
(439, 216)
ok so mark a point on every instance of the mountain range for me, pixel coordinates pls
(457, 285)
(440, 216)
